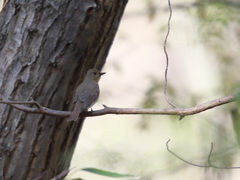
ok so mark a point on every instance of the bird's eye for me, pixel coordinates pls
(95, 73)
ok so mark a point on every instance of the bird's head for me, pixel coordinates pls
(94, 74)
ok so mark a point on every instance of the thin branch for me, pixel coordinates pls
(209, 162)
(182, 6)
(112, 110)
(182, 158)
(37, 104)
(167, 60)
(41, 176)
(3, 6)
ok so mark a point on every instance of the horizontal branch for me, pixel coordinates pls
(111, 110)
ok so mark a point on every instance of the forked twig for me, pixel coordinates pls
(209, 162)
(182, 158)
(205, 166)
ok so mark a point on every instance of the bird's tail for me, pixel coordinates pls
(76, 111)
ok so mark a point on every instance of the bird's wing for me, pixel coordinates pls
(86, 95)
(88, 98)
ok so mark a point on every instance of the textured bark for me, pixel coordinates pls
(46, 47)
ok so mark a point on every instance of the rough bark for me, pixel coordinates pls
(46, 47)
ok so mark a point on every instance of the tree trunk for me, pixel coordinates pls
(46, 47)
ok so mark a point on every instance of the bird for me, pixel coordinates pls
(87, 93)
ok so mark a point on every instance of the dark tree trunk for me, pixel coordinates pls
(46, 47)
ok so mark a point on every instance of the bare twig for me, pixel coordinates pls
(23, 102)
(209, 162)
(62, 174)
(182, 6)
(112, 110)
(41, 176)
(37, 104)
(167, 60)
(182, 158)
(4, 5)
(205, 166)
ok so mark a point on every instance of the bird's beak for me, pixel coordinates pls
(102, 73)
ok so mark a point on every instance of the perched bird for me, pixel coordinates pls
(87, 93)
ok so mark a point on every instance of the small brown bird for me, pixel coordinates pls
(87, 93)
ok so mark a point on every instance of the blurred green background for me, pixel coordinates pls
(204, 51)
